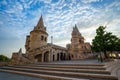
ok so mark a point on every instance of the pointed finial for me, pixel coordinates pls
(76, 29)
(20, 50)
(40, 22)
(51, 39)
(75, 25)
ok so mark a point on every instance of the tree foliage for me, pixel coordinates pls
(4, 58)
(105, 41)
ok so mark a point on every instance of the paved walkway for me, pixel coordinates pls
(9, 76)
(115, 68)
(118, 70)
(118, 74)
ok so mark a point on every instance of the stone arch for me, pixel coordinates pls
(69, 57)
(46, 56)
(64, 56)
(72, 56)
(58, 58)
(61, 56)
(38, 57)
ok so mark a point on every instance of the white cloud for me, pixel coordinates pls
(4, 2)
(60, 17)
(89, 1)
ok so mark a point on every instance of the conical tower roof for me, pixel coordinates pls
(40, 25)
(20, 50)
(40, 22)
(76, 31)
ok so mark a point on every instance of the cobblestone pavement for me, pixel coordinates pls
(9, 76)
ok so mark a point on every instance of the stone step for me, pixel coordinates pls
(45, 76)
(68, 74)
(61, 64)
(76, 67)
(66, 70)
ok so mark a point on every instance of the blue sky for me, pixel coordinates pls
(18, 17)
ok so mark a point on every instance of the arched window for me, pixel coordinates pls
(72, 56)
(45, 38)
(79, 41)
(42, 37)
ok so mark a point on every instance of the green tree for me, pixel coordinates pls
(4, 58)
(99, 43)
(117, 45)
(105, 41)
(112, 42)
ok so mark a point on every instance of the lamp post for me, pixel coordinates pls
(51, 39)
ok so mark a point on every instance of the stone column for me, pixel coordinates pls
(59, 56)
(43, 57)
(49, 56)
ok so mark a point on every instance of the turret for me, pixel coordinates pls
(40, 25)
(38, 36)
(75, 32)
(76, 36)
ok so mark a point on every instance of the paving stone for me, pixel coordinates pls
(9, 76)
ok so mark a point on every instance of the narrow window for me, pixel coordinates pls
(42, 37)
(45, 39)
(72, 56)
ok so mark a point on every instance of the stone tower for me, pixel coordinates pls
(78, 48)
(76, 36)
(38, 36)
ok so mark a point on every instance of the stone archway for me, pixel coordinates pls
(46, 56)
(38, 57)
(58, 57)
(61, 56)
(53, 57)
(64, 57)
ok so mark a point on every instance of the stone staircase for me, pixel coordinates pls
(62, 71)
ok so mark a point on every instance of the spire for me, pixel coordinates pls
(20, 50)
(75, 25)
(40, 25)
(40, 22)
(75, 30)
